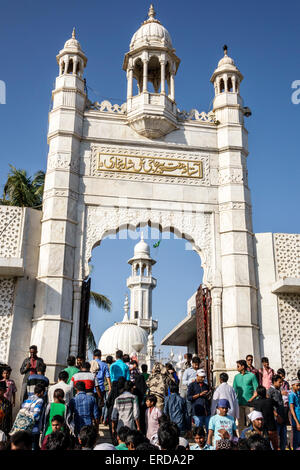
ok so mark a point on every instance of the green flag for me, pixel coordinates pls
(156, 245)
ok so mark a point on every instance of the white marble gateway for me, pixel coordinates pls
(112, 166)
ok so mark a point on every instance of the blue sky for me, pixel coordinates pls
(263, 38)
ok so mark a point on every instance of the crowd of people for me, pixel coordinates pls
(161, 410)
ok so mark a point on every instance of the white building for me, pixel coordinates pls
(144, 162)
(135, 333)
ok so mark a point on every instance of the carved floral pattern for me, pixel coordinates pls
(287, 254)
(63, 161)
(195, 227)
(289, 319)
(106, 106)
(7, 286)
(10, 227)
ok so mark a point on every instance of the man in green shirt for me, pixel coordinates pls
(244, 384)
(71, 369)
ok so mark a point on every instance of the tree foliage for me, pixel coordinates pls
(22, 190)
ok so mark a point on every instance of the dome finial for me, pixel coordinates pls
(73, 33)
(225, 48)
(142, 236)
(151, 12)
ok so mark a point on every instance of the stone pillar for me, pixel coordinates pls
(217, 331)
(145, 75)
(77, 285)
(172, 87)
(163, 76)
(129, 83)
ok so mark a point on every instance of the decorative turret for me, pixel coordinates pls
(71, 59)
(226, 80)
(152, 62)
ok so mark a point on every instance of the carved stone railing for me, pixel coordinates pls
(107, 106)
(194, 115)
(10, 231)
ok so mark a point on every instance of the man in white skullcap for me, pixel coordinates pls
(256, 427)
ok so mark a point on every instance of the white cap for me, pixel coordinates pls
(201, 373)
(255, 415)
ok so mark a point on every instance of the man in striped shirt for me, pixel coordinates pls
(126, 409)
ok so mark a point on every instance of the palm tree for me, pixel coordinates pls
(22, 190)
(102, 302)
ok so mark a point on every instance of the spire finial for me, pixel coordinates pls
(151, 12)
(126, 308)
(73, 33)
(142, 236)
(225, 48)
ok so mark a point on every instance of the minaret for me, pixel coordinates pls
(152, 62)
(141, 283)
(52, 322)
(235, 306)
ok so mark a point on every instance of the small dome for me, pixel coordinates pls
(72, 43)
(226, 61)
(142, 249)
(122, 336)
(152, 32)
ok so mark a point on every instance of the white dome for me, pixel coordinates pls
(122, 336)
(152, 33)
(142, 249)
(72, 43)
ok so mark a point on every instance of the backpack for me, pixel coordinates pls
(24, 421)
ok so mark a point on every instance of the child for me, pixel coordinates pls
(57, 423)
(151, 416)
(57, 407)
(121, 438)
(200, 439)
(294, 403)
(175, 407)
(220, 424)
(87, 437)
(11, 388)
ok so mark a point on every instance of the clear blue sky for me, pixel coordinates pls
(263, 38)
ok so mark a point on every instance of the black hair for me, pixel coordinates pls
(119, 354)
(224, 377)
(57, 440)
(80, 356)
(39, 388)
(275, 378)
(41, 368)
(135, 437)
(168, 436)
(123, 433)
(242, 444)
(58, 418)
(109, 360)
(144, 368)
(199, 431)
(86, 365)
(80, 386)
(71, 361)
(121, 384)
(242, 362)
(33, 347)
(3, 385)
(63, 375)
(88, 436)
(189, 356)
(249, 355)
(152, 398)
(196, 359)
(59, 393)
(261, 391)
(128, 386)
(7, 368)
(163, 419)
(298, 374)
(22, 439)
(168, 365)
(126, 358)
(281, 371)
(264, 359)
(257, 442)
(174, 388)
(146, 446)
(97, 353)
